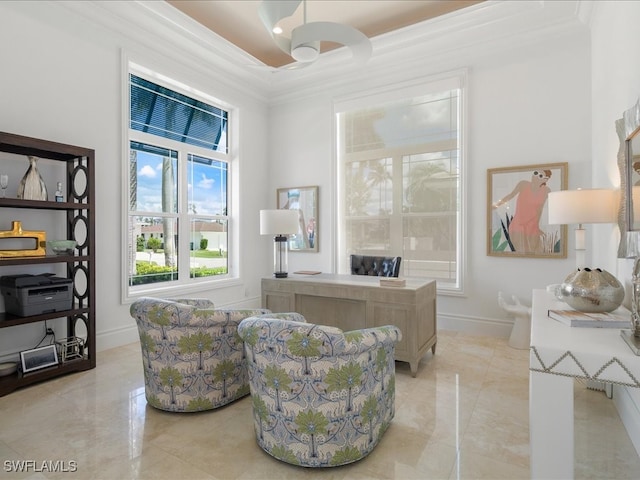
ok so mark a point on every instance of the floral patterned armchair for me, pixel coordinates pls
(321, 397)
(192, 356)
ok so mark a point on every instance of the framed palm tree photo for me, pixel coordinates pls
(305, 201)
(517, 217)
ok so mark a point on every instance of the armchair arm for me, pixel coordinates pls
(207, 317)
(358, 341)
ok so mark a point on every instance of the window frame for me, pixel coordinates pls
(398, 92)
(185, 284)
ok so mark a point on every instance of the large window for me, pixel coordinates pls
(399, 163)
(178, 215)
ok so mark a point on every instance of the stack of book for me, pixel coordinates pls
(620, 318)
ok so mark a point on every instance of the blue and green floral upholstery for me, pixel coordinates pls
(192, 356)
(321, 397)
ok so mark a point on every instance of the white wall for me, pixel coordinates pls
(529, 102)
(616, 88)
(61, 80)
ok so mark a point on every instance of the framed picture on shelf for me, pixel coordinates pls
(38, 358)
(305, 201)
(517, 217)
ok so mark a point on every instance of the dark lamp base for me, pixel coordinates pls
(280, 274)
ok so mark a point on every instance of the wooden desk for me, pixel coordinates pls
(351, 302)
(558, 355)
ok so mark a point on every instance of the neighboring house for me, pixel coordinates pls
(213, 232)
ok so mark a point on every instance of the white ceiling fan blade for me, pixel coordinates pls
(271, 12)
(357, 41)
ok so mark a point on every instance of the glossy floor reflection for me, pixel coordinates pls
(100, 420)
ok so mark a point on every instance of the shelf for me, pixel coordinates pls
(80, 209)
(42, 204)
(17, 380)
(43, 259)
(9, 320)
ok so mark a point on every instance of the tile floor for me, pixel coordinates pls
(100, 421)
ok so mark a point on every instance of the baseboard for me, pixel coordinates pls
(459, 323)
(627, 401)
(475, 325)
(117, 337)
(106, 340)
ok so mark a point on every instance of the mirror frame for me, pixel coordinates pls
(308, 211)
(627, 127)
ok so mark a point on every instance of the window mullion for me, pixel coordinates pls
(396, 213)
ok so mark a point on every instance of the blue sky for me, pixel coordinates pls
(207, 185)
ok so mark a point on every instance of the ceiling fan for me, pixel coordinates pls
(304, 44)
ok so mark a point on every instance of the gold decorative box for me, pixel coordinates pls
(17, 232)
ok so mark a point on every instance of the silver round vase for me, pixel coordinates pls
(592, 290)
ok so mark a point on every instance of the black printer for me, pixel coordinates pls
(26, 295)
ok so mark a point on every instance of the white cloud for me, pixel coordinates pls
(147, 171)
(206, 182)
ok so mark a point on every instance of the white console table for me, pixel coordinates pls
(351, 302)
(558, 355)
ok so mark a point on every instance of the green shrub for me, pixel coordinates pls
(154, 244)
(203, 243)
(139, 244)
(152, 273)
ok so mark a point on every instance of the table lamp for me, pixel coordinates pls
(279, 223)
(587, 290)
(597, 205)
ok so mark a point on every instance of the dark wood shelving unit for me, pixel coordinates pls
(79, 208)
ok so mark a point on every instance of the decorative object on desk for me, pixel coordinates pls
(62, 247)
(582, 206)
(517, 197)
(280, 223)
(32, 186)
(521, 332)
(575, 318)
(8, 368)
(21, 235)
(304, 200)
(632, 337)
(308, 272)
(38, 358)
(392, 282)
(4, 183)
(592, 290)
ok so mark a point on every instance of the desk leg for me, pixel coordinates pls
(551, 426)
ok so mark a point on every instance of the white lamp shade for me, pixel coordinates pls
(278, 222)
(582, 206)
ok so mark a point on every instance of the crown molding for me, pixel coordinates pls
(147, 23)
(465, 35)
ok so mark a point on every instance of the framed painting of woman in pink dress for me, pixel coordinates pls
(517, 211)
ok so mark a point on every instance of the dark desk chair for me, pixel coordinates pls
(375, 266)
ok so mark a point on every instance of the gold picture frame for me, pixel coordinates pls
(526, 233)
(305, 200)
